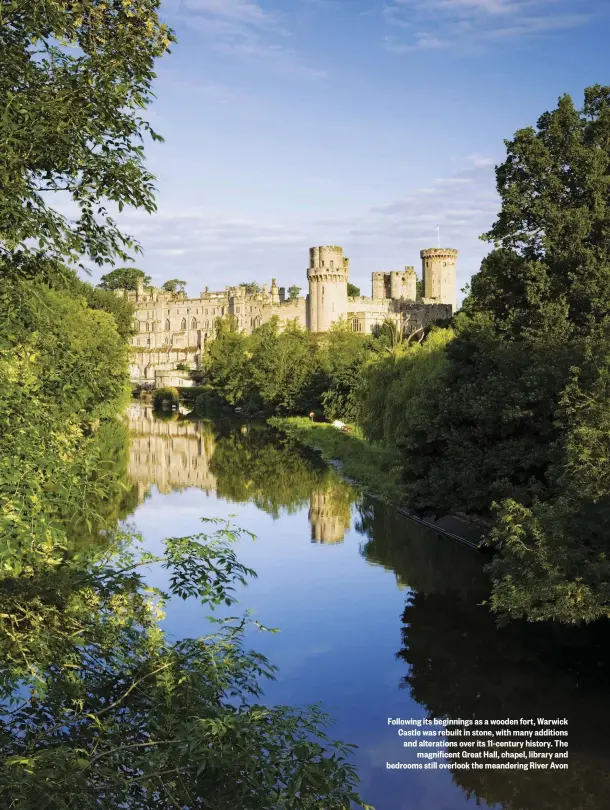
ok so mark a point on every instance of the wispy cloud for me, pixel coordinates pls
(246, 30)
(468, 24)
(212, 249)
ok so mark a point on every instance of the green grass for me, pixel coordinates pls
(374, 467)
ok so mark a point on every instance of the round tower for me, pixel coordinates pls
(439, 275)
(327, 275)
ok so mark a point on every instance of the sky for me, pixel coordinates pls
(360, 123)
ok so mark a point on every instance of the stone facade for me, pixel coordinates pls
(173, 329)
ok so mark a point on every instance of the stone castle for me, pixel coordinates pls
(173, 329)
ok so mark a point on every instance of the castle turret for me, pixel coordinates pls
(327, 275)
(439, 275)
(275, 293)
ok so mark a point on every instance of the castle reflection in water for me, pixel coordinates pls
(170, 452)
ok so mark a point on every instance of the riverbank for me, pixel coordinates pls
(374, 468)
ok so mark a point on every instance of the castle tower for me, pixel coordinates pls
(329, 515)
(403, 284)
(380, 285)
(327, 275)
(439, 275)
(275, 293)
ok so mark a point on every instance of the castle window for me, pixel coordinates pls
(136, 326)
(166, 341)
(147, 326)
(332, 264)
(322, 263)
(194, 323)
(237, 310)
(207, 324)
(153, 326)
(183, 324)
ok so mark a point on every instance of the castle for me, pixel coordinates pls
(173, 329)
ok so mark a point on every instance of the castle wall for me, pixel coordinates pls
(172, 328)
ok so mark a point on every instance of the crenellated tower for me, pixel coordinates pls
(439, 275)
(327, 274)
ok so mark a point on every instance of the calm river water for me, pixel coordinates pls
(379, 617)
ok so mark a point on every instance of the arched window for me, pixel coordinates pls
(183, 324)
(167, 326)
(207, 324)
(194, 323)
(166, 341)
(153, 326)
(147, 326)
(136, 326)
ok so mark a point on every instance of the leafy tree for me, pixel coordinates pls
(109, 712)
(73, 79)
(419, 289)
(124, 278)
(352, 290)
(293, 292)
(553, 247)
(174, 285)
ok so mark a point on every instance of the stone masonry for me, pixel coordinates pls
(173, 329)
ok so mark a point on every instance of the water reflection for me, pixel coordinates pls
(241, 463)
(362, 651)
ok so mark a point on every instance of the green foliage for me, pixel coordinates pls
(107, 711)
(73, 79)
(511, 424)
(124, 278)
(174, 285)
(64, 372)
(395, 390)
(183, 367)
(293, 292)
(166, 396)
(371, 464)
(352, 290)
(553, 262)
(288, 372)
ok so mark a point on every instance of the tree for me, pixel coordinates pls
(419, 289)
(174, 285)
(552, 260)
(124, 278)
(251, 287)
(352, 290)
(107, 711)
(73, 80)
(293, 292)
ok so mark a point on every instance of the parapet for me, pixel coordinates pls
(439, 253)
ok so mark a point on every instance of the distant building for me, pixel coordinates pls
(173, 329)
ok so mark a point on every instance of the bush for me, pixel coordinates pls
(165, 396)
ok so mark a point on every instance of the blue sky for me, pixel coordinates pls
(363, 123)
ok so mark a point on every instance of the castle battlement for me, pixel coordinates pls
(173, 328)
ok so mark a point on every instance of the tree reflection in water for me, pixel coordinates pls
(463, 664)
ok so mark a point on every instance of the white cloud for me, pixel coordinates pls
(214, 249)
(467, 24)
(245, 30)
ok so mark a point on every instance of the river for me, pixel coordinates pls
(379, 617)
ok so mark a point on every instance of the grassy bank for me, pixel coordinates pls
(374, 467)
